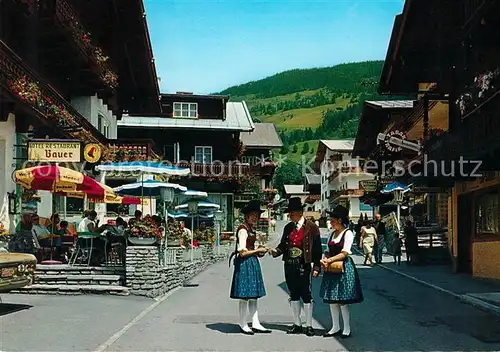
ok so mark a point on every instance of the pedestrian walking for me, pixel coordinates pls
(411, 243)
(301, 249)
(381, 236)
(248, 285)
(340, 288)
(396, 245)
(367, 241)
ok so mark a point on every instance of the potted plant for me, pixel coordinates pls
(205, 235)
(175, 234)
(143, 233)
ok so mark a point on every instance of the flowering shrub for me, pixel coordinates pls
(485, 85)
(146, 228)
(205, 234)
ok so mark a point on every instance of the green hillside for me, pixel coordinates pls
(311, 104)
(307, 105)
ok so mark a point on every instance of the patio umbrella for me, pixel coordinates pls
(147, 167)
(193, 193)
(151, 188)
(61, 180)
(144, 167)
(201, 204)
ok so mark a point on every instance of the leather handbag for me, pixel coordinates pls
(335, 267)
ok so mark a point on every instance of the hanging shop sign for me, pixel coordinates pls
(55, 151)
(92, 153)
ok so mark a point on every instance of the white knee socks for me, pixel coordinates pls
(309, 314)
(346, 319)
(335, 312)
(296, 312)
(252, 306)
(243, 307)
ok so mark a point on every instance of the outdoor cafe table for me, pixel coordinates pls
(85, 241)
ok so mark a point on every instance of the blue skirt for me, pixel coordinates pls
(342, 288)
(247, 279)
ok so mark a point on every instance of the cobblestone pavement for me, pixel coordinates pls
(397, 315)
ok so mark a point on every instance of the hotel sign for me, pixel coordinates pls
(55, 151)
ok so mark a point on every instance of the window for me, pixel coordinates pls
(186, 110)
(487, 216)
(105, 130)
(203, 155)
(103, 125)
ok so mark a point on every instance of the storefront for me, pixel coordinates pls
(474, 213)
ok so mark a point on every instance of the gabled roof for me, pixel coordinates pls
(295, 189)
(237, 119)
(391, 104)
(263, 136)
(339, 145)
(313, 179)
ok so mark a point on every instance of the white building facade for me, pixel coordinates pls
(340, 178)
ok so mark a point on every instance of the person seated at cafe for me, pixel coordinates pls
(40, 231)
(89, 224)
(63, 228)
(137, 217)
(53, 223)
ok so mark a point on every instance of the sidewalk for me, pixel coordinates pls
(482, 293)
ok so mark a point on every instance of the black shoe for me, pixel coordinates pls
(345, 336)
(295, 329)
(246, 332)
(309, 331)
(337, 333)
(257, 331)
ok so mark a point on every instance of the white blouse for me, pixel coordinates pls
(242, 240)
(348, 240)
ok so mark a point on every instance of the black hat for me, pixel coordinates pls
(339, 212)
(294, 204)
(251, 206)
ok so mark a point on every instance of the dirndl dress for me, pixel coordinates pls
(341, 288)
(247, 282)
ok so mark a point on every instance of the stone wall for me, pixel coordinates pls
(145, 276)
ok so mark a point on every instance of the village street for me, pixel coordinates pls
(397, 315)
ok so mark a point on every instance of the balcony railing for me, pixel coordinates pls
(346, 192)
(345, 170)
(131, 150)
(64, 15)
(469, 10)
(29, 89)
(243, 197)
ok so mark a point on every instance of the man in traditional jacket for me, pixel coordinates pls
(301, 248)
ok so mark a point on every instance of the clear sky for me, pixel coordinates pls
(204, 46)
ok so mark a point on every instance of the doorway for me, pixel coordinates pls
(465, 215)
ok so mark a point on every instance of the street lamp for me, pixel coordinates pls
(193, 210)
(167, 195)
(218, 218)
(398, 198)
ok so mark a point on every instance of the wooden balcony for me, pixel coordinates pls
(131, 150)
(243, 198)
(470, 10)
(31, 92)
(345, 170)
(346, 192)
(60, 16)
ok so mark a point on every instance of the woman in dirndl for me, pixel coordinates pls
(248, 285)
(339, 290)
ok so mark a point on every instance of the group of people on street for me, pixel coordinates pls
(301, 251)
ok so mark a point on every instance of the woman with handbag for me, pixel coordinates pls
(341, 285)
(248, 285)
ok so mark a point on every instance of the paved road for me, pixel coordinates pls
(397, 315)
